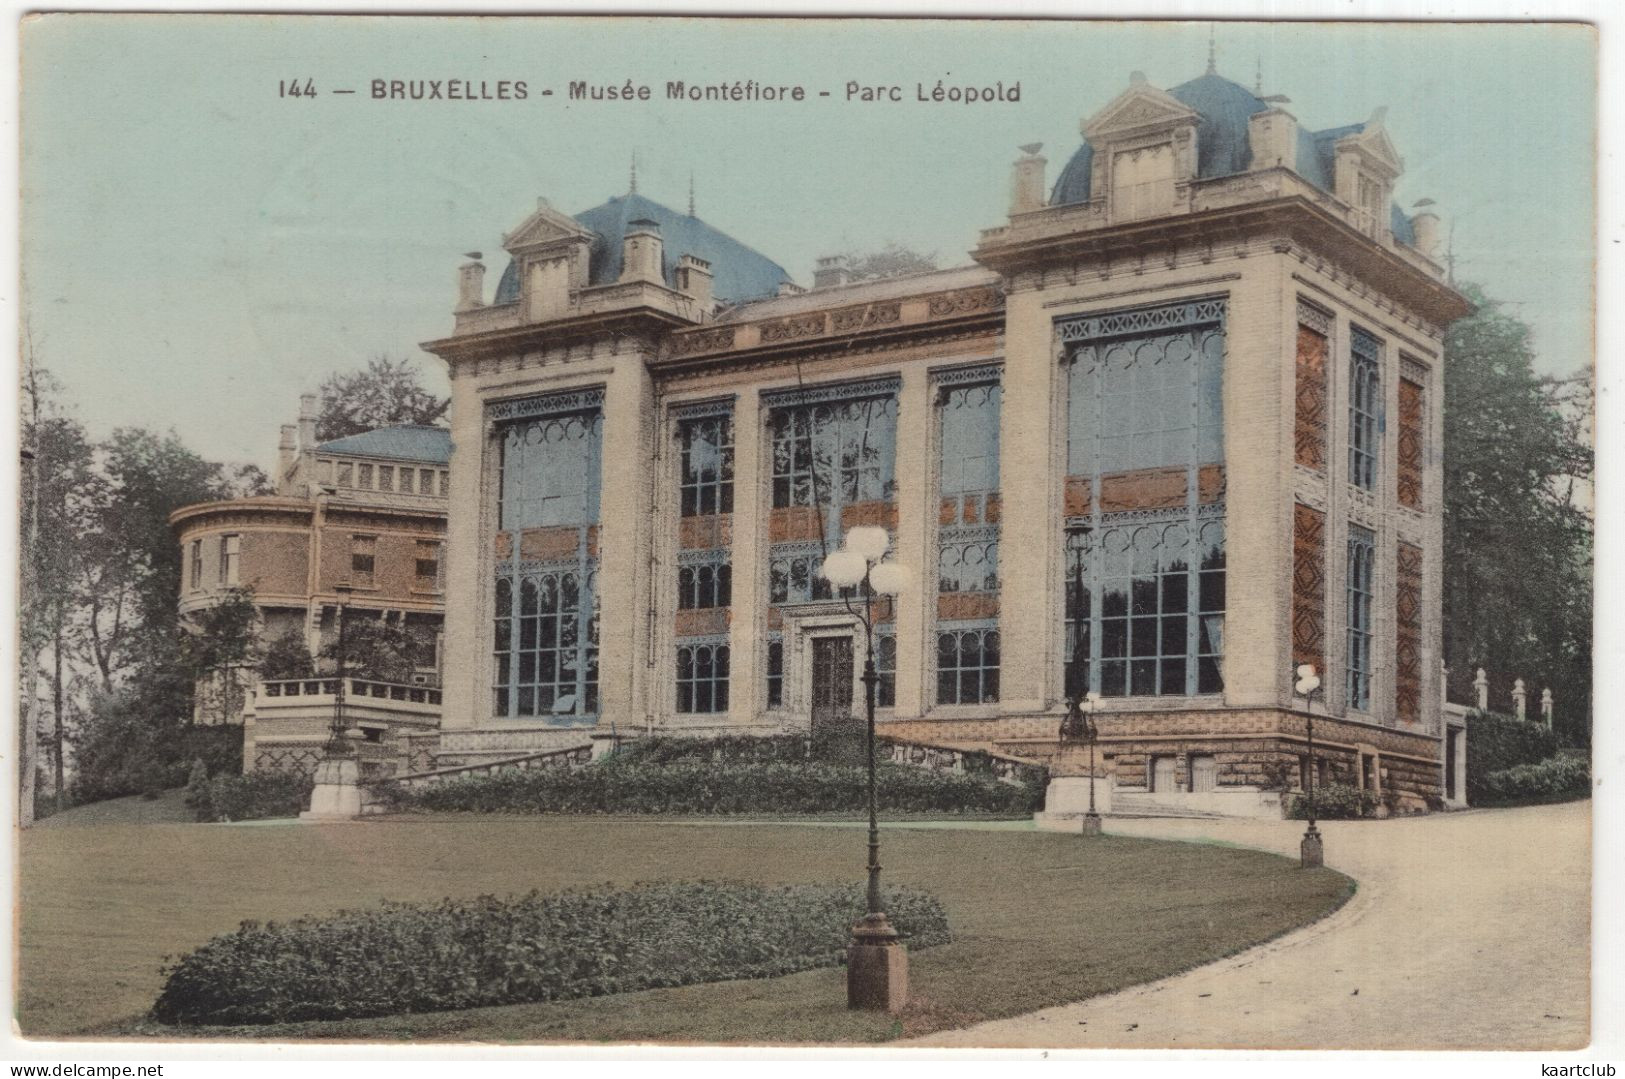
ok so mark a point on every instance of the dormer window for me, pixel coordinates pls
(1143, 182)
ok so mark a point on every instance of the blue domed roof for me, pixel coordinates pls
(1223, 147)
(741, 273)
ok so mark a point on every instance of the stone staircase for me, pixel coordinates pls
(1136, 805)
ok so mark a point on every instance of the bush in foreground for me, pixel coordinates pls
(403, 957)
(256, 796)
(1556, 779)
(1497, 743)
(1335, 801)
(693, 786)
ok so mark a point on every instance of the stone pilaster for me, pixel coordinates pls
(914, 471)
(626, 522)
(747, 664)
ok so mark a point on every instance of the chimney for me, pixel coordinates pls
(287, 449)
(642, 253)
(1272, 135)
(832, 270)
(470, 286)
(1426, 227)
(1027, 180)
(694, 278)
(307, 422)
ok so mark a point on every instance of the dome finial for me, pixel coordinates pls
(1212, 52)
(1258, 80)
(633, 188)
(691, 192)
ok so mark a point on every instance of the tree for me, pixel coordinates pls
(893, 260)
(1517, 460)
(383, 394)
(286, 656)
(218, 644)
(375, 648)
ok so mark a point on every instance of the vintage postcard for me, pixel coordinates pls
(805, 533)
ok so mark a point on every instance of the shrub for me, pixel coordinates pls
(1334, 801)
(1498, 742)
(255, 796)
(1556, 779)
(723, 749)
(618, 785)
(470, 953)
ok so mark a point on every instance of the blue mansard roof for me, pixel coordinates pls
(741, 273)
(409, 442)
(1223, 147)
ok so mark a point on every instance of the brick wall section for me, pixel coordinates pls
(394, 567)
(705, 533)
(1308, 586)
(1243, 742)
(1309, 431)
(1409, 485)
(1144, 489)
(1408, 634)
(275, 562)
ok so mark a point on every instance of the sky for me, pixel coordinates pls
(197, 251)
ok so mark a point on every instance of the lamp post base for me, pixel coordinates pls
(1311, 852)
(1091, 824)
(876, 967)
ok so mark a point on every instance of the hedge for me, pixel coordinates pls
(1556, 779)
(688, 786)
(1498, 742)
(1334, 801)
(256, 796)
(469, 953)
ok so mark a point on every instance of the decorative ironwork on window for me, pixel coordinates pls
(793, 575)
(1145, 608)
(1144, 550)
(546, 595)
(834, 454)
(702, 676)
(967, 664)
(886, 669)
(706, 465)
(708, 584)
(967, 563)
(1365, 407)
(1141, 320)
(1361, 576)
(548, 404)
(775, 672)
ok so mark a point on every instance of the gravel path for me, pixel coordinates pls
(1469, 931)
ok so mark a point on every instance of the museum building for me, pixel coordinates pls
(1174, 433)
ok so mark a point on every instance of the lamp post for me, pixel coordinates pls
(1312, 851)
(876, 964)
(336, 744)
(1079, 724)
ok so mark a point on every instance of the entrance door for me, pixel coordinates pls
(831, 679)
(1204, 774)
(1163, 773)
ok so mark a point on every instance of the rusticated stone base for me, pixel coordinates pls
(1312, 851)
(876, 968)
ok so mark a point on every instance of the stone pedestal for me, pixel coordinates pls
(1311, 852)
(876, 967)
(337, 795)
(1091, 824)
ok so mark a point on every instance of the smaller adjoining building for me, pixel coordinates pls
(360, 522)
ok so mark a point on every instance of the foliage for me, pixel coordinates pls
(286, 656)
(1334, 801)
(1517, 465)
(1496, 743)
(385, 393)
(376, 648)
(469, 953)
(893, 260)
(255, 796)
(1556, 779)
(695, 786)
(1279, 776)
(126, 747)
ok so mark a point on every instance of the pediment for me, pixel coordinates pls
(545, 226)
(1375, 144)
(1141, 105)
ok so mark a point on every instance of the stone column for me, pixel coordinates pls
(1546, 705)
(1481, 690)
(748, 655)
(914, 468)
(626, 524)
(465, 696)
(1520, 699)
(1029, 487)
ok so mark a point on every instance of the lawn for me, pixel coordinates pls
(1038, 918)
